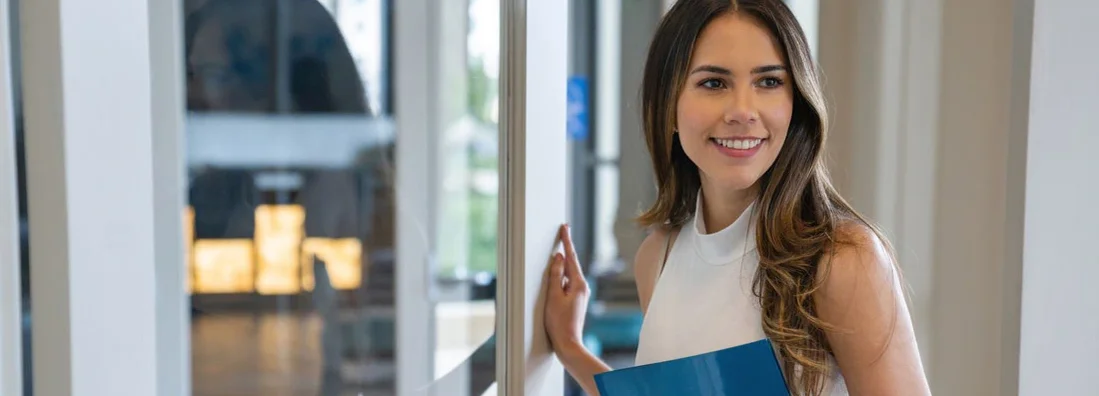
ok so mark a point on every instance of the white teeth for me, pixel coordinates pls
(739, 144)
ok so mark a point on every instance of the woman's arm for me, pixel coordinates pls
(873, 340)
(567, 303)
(582, 366)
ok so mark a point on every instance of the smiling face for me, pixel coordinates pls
(736, 104)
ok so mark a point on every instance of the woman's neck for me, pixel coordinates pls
(722, 207)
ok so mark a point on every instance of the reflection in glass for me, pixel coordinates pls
(343, 258)
(290, 223)
(272, 56)
(279, 233)
(20, 160)
(223, 266)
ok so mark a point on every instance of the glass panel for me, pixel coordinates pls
(465, 316)
(291, 215)
(21, 180)
(465, 287)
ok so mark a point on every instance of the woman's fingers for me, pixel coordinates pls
(566, 239)
(572, 262)
(558, 279)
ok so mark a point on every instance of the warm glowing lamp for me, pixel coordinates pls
(223, 266)
(343, 259)
(279, 233)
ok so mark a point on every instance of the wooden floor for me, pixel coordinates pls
(275, 354)
(280, 354)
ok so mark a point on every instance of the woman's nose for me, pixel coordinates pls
(741, 108)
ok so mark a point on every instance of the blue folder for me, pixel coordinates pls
(749, 369)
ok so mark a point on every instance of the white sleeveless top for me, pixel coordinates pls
(703, 300)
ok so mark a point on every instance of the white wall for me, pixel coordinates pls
(1059, 334)
(992, 218)
(971, 183)
(921, 93)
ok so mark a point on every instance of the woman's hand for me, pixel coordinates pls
(566, 306)
(566, 298)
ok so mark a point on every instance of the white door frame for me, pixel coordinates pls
(533, 187)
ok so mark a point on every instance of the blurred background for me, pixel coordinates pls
(291, 223)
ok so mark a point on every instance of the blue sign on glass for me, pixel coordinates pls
(578, 122)
(749, 369)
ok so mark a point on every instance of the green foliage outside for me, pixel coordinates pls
(482, 206)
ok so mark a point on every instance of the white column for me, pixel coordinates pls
(1054, 139)
(861, 50)
(96, 223)
(969, 205)
(533, 190)
(922, 94)
(414, 57)
(608, 93)
(173, 320)
(882, 59)
(11, 364)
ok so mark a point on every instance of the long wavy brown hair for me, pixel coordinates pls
(799, 211)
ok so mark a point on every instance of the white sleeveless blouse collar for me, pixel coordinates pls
(726, 246)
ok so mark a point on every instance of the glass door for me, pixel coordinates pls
(341, 217)
(299, 197)
(345, 194)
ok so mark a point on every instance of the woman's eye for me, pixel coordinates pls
(770, 82)
(712, 84)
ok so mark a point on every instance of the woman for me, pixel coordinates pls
(750, 240)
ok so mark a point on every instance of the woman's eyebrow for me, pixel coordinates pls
(768, 68)
(726, 72)
(712, 69)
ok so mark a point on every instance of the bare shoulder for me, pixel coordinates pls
(862, 298)
(858, 256)
(651, 252)
(648, 261)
